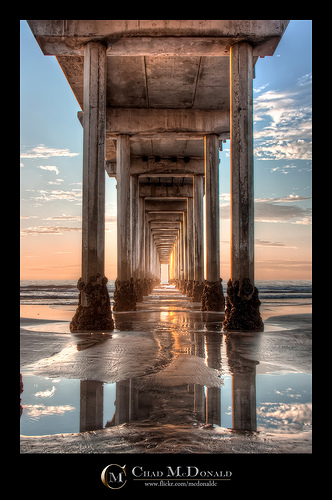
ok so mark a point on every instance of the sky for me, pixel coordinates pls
(51, 139)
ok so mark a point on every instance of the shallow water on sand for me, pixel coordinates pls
(168, 363)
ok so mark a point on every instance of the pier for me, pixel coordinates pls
(158, 98)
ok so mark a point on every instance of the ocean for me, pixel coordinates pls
(65, 292)
(53, 292)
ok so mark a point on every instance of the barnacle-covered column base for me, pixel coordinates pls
(242, 307)
(125, 297)
(139, 289)
(97, 314)
(197, 291)
(213, 297)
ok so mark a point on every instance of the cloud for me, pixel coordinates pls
(46, 394)
(37, 230)
(270, 211)
(278, 265)
(284, 199)
(55, 183)
(284, 169)
(283, 150)
(65, 217)
(57, 194)
(111, 219)
(224, 199)
(287, 416)
(277, 210)
(43, 151)
(305, 80)
(261, 88)
(267, 243)
(37, 411)
(50, 168)
(283, 123)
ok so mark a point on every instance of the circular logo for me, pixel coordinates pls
(114, 476)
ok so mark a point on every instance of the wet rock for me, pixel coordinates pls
(242, 307)
(97, 315)
(213, 297)
(125, 297)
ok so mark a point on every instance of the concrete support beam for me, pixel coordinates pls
(190, 238)
(198, 238)
(198, 228)
(91, 405)
(123, 207)
(141, 239)
(163, 206)
(93, 217)
(242, 164)
(164, 166)
(93, 211)
(124, 295)
(181, 250)
(242, 306)
(164, 216)
(163, 37)
(134, 188)
(151, 121)
(211, 146)
(212, 298)
(165, 191)
(185, 246)
(181, 46)
(147, 247)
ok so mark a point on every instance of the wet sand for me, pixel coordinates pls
(153, 346)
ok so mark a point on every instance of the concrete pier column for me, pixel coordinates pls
(242, 306)
(91, 405)
(135, 243)
(212, 298)
(139, 283)
(181, 250)
(211, 147)
(147, 236)
(124, 295)
(141, 239)
(147, 248)
(94, 310)
(243, 371)
(185, 251)
(190, 245)
(134, 224)
(198, 238)
(123, 207)
(177, 260)
(213, 394)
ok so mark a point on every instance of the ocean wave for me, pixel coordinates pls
(66, 293)
(59, 292)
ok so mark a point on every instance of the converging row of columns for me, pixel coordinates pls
(154, 231)
(141, 245)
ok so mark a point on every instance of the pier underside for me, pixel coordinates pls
(157, 100)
